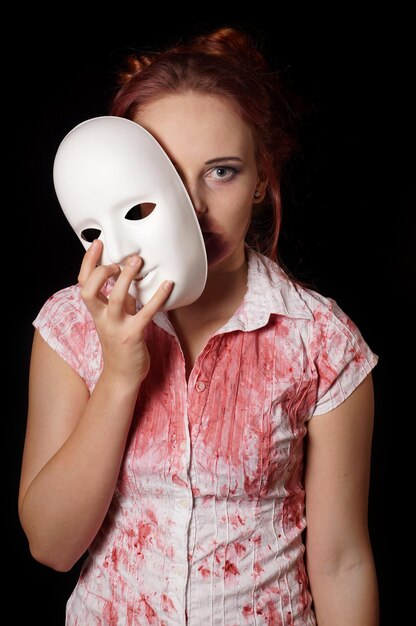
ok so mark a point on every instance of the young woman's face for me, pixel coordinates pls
(213, 151)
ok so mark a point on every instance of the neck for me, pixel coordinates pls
(224, 291)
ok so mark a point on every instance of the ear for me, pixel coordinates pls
(260, 191)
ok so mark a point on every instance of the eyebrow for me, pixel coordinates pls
(224, 158)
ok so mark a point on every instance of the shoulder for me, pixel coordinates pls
(325, 311)
(62, 307)
(312, 320)
(331, 328)
(66, 325)
(286, 297)
(331, 334)
(337, 351)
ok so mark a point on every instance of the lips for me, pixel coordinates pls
(215, 246)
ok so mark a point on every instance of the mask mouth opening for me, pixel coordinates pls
(140, 277)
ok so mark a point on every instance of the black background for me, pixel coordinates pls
(347, 223)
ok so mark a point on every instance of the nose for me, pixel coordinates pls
(198, 198)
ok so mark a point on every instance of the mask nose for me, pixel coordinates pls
(117, 251)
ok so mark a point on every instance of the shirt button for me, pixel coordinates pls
(182, 446)
(183, 503)
(200, 386)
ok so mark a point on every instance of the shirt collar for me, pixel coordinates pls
(269, 291)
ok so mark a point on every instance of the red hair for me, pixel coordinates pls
(224, 62)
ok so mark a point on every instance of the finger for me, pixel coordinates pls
(91, 290)
(119, 296)
(155, 304)
(131, 305)
(90, 260)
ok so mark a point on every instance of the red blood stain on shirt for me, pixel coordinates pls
(150, 514)
(251, 483)
(239, 548)
(285, 599)
(358, 358)
(170, 552)
(204, 571)
(155, 434)
(218, 557)
(178, 481)
(167, 604)
(237, 520)
(114, 559)
(302, 578)
(149, 612)
(272, 615)
(257, 568)
(144, 536)
(281, 329)
(247, 611)
(293, 512)
(230, 569)
(110, 614)
(289, 619)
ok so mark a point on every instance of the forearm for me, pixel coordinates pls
(346, 595)
(66, 503)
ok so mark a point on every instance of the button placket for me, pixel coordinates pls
(181, 502)
(199, 386)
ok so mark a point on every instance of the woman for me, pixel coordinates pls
(190, 450)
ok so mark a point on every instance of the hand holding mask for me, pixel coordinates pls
(114, 182)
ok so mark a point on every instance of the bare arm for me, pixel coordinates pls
(338, 551)
(75, 443)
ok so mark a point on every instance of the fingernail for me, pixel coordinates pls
(167, 285)
(94, 244)
(133, 260)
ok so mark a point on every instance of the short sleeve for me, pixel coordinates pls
(66, 325)
(343, 359)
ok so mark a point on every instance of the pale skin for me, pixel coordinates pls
(74, 444)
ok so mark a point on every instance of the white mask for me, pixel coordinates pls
(115, 183)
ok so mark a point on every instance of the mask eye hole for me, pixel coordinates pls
(140, 211)
(89, 234)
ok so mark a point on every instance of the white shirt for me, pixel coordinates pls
(206, 523)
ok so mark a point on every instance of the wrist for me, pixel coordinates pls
(119, 382)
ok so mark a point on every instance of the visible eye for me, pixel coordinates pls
(140, 211)
(223, 173)
(89, 234)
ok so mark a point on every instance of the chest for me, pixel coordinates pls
(193, 336)
(237, 425)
